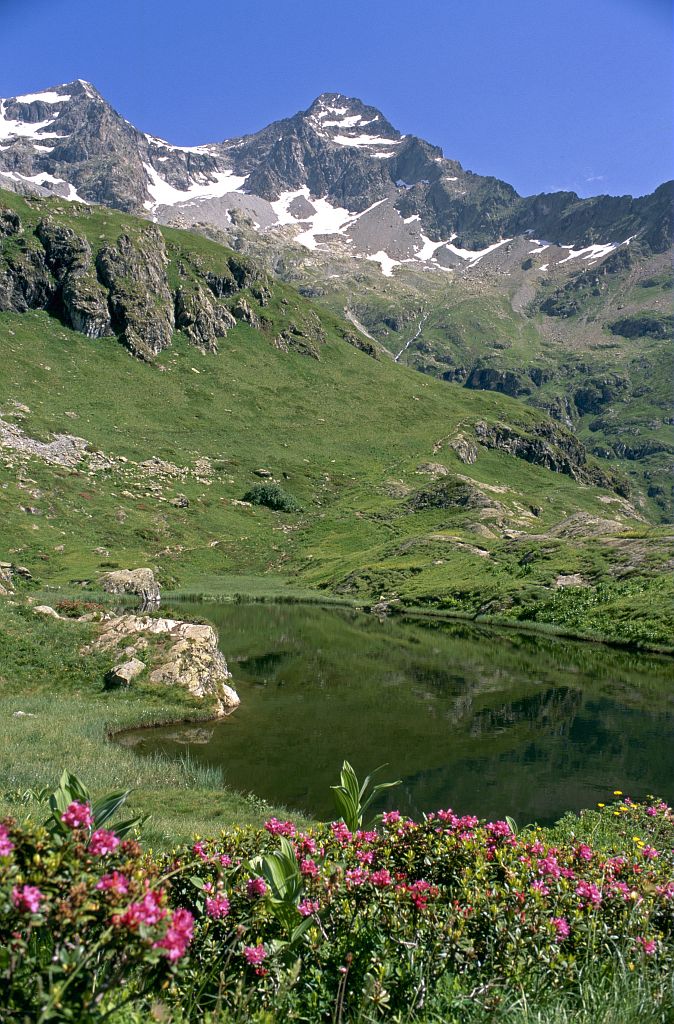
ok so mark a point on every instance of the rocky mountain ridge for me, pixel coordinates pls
(337, 175)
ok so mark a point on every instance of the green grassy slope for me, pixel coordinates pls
(496, 321)
(350, 437)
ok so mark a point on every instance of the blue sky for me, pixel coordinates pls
(546, 94)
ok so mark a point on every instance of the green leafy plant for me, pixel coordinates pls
(70, 789)
(272, 496)
(281, 872)
(350, 795)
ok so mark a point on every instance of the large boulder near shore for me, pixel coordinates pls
(132, 581)
(191, 660)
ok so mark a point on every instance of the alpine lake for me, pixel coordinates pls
(488, 722)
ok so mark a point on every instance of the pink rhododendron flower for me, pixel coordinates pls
(498, 828)
(308, 867)
(77, 815)
(549, 866)
(589, 891)
(255, 955)
(356, 876)
(540, 887)
(585, 852)
(225, 860)
(306, 844)
(390, 817)
(256, 887)
(307, 907)
(280, 828)
(649, 853)
(146, 911)
(6, 844)
(381, 878)
(419, 891)
(340, 832)
(27, 899)
(198, 851)
(178, 934)
(648, 945)
(561, 927)
(102, 842)
(217, 906)
(116, 882)
(365, 856)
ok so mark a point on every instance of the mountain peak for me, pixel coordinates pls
(350, 122)
(60, 93)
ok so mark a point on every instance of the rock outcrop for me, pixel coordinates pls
(83, 300)
(8, 574)
(545, 444)
(6, 578)
(124, 289)
(141, 305)
(515, 383)
(305, 337)
(25, 281)
(192, 659)
(464, 449)
(202, 319)
(132, 581)
(241, 310)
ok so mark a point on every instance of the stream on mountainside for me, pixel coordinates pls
(411, 341)
(488, 722)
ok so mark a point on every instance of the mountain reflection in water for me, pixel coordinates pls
(488, 722)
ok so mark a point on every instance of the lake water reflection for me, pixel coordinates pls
(487, 722)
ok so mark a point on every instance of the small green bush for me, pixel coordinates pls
(272, 496)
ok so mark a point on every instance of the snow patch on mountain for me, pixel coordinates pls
(473, 256)
(589, 252)
(364, 140)
(385, 262)
(9, 128)
(165, 194)
(327, 220)
(58, 186)
(157, 143)
(427, 249)
(282, 204)
(44, 97)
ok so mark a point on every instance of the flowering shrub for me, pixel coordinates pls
(328, 923)
(82, 915)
